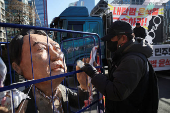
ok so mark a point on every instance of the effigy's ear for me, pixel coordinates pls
(16, 68)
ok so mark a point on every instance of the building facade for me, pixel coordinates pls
(167, 20)
(73, 3)
(20, 13)
(26, 11)
(41, 10)
(32, 20)
(2, 19)
(38, 15)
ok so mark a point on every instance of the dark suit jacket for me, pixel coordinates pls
(69, 99)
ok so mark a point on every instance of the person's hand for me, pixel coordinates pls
(82, 76)
(89, 70)
(133, 34)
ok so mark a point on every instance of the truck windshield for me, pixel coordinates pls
(77, 26)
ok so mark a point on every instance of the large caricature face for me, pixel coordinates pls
(40, 58)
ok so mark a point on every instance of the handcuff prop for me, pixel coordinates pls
(155, 27)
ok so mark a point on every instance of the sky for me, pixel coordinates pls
(55, 7)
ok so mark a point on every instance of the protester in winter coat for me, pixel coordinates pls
(126, 88)
(139, 31)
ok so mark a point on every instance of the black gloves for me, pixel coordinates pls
(89, 70)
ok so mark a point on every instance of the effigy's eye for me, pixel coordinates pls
(56, 47)
(42, 48)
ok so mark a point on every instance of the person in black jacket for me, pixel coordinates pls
(139, 31)
(125, 89)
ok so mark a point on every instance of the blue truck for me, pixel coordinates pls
(78, 19)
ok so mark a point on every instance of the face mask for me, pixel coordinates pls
(112, 46)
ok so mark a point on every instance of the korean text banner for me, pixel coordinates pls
(160, 63)
(149, 16)
(160, 59)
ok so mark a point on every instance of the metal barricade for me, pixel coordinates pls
(72, 54)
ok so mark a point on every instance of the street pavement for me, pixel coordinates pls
(164, 91)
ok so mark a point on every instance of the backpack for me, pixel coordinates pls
(150, 103)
